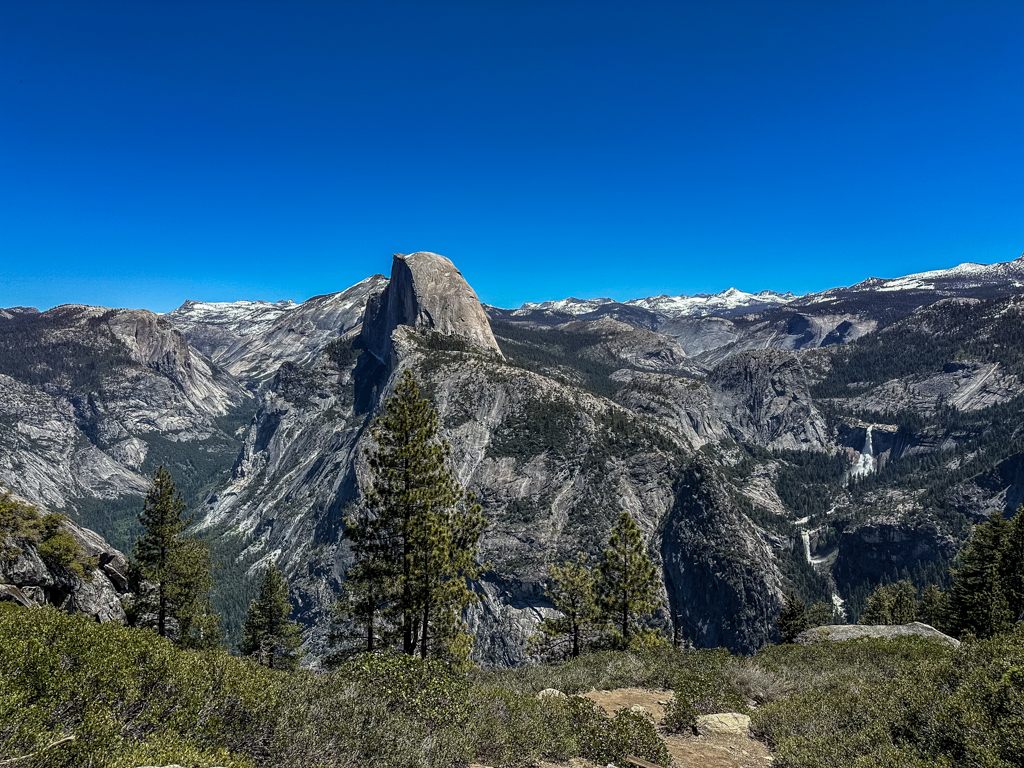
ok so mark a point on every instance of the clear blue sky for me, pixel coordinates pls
(157, 151)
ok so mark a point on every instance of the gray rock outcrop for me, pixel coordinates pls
(29, 580)
(837, 633)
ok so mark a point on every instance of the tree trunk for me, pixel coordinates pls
(161, 611)
(408, 633)
(625, 618)
(575, 640)
(426, 626)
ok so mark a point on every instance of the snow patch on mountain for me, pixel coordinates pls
(250, 339)
(569, 306)
(707, 304)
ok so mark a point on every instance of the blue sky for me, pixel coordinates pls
(157, 151)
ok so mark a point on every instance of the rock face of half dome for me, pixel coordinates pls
(426, 292)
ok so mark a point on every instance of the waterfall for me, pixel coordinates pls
(865, 463)
(806, 537)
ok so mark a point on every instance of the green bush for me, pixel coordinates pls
(905, 702)
(702, 686)
(130, 698)
(22, 525)
(634, 734)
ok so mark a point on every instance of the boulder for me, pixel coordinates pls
(836, 633)
(724, 724)
(551, 694)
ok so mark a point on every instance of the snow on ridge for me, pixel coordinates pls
(967, 274)
(674, 306)
(569, 306)
(703, 303)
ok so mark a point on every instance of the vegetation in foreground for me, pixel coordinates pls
(129, 697)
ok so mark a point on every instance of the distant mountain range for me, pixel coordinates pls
(763, 441)
(963, 277)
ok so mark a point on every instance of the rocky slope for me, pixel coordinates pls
(29, 577)
(94, 397)
(251, 339)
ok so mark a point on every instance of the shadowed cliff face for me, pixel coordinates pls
(721, 572)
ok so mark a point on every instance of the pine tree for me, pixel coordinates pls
(932, 608)
(269, 634)
(369, 592)
(415, 540)
(891, 604)
(793, 617)
(819, 614)
(172, 571)
(572, 591)
(977, 602)
(628, 585)
(1011, 566)
(189, 589)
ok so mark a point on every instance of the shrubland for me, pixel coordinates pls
(129, 697)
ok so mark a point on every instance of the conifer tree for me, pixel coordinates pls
(415, 539)
(932, 608)
(793, 617)
(977, 602)
(628, 584)
(269, 634)
(172, 571)
(369, 592)
(572, 589)
(1011, 566)
(891, 604)
(190, 587)
(820, 614)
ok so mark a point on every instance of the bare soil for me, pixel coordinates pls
(718, 751)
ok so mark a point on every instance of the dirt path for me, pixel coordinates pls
(714, 751)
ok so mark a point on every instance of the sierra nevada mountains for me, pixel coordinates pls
(764, 441)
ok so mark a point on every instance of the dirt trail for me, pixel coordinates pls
(715, 751)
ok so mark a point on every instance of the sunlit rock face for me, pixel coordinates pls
(427, 293)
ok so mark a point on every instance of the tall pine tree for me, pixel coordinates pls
(1011, 566)
(793, 618)
(369, 593)
(269, 635)
(572, 590)
(628, 585)
(977, 601)
(415, 538)
(172, 571)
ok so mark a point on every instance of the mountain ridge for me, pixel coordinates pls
(823, 443)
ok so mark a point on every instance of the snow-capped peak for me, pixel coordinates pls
(961, 277)
(671, 306)
(569, 306)
(705, 304)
